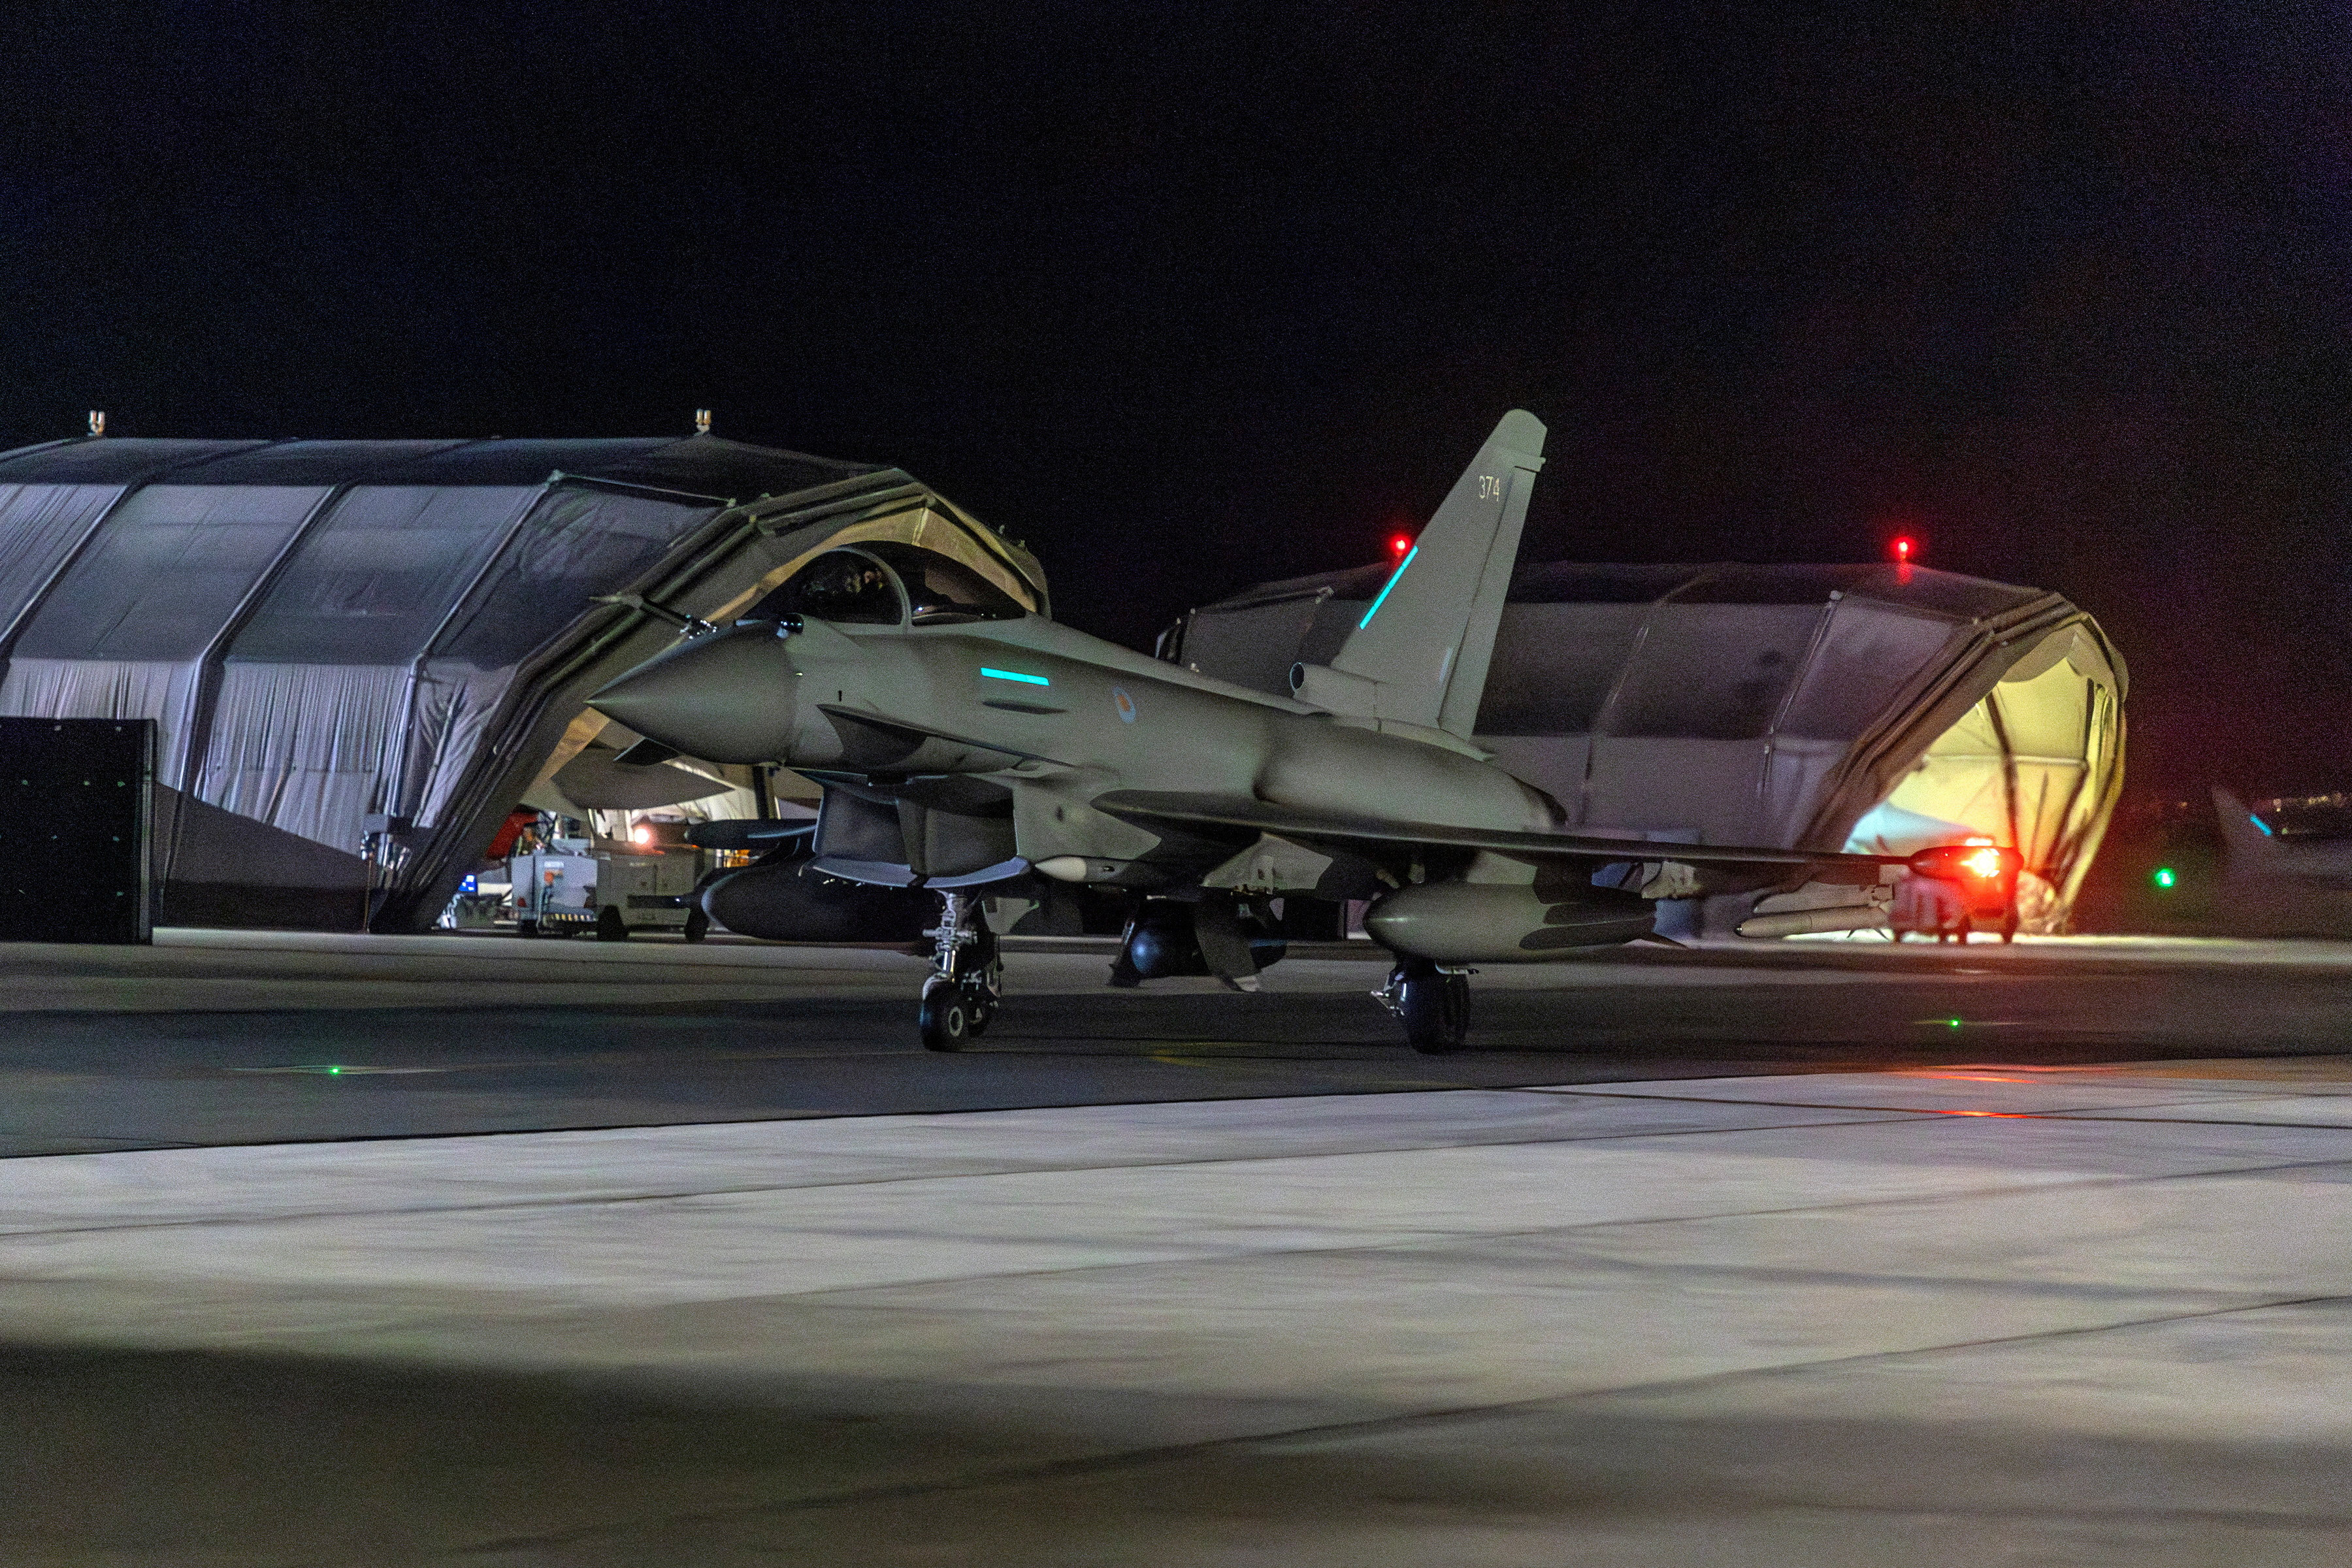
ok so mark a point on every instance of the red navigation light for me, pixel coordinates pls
(1968, 862)
(1904, 548)
(1400, 542)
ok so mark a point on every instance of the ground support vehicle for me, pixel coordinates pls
(552, 892)
(648, 892)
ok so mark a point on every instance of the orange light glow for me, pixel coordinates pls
(642, 835)
(1977, 861)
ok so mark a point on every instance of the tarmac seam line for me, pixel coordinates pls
(1966, 1194)
(620, 1199)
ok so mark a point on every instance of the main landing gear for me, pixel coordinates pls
(1433, 1003)
(960, 995)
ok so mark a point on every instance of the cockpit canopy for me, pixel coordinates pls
(887, 585)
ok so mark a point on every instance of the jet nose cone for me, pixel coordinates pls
(725, 697)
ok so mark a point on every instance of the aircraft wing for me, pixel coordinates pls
(1197, 813)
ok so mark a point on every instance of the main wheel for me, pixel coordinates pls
(946, 1018)
(610, 924)
(1436, 1010)
(697, 925)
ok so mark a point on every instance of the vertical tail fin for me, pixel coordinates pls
(1419, 654)
(2246, 836)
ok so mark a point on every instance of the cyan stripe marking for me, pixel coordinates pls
(1015, 675)
(1384, 592)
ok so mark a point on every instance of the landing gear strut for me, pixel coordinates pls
(960, 994)
(1434, 1004)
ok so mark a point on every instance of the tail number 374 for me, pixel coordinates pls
(1489, 487)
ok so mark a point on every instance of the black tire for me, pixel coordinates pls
(1436, 1010)
(946, 1018)
(697, 925)
(610, 924)
(526, 928)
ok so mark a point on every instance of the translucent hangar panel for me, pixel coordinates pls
(376, 577)
(126, 631)
(571, 546)
(39, 527)
(382, 651)
(575, 544)
(165, 575)
(310, 723)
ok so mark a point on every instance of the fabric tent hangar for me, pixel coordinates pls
(1881, 707)
(362, 655)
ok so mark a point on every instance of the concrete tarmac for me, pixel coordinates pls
(217, 1037)
(1811, 1255)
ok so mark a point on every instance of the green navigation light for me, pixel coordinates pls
(2165, 875)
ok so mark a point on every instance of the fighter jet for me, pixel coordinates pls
(965, 744)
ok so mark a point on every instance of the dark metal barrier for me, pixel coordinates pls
(76, 802)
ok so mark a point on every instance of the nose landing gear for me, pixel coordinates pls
(960, 994)
(1433, 1003)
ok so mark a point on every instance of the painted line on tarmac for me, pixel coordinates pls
(342, 1072)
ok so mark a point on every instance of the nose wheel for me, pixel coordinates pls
(1432, 1004)
(961, 993)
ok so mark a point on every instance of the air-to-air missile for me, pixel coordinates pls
(963, 743)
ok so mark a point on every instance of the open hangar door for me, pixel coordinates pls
(361, 655)
(1866, 707)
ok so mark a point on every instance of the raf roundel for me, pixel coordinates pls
(1124, 703)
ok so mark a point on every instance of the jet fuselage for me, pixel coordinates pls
(1056, 719)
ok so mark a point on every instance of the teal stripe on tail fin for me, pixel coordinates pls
(1419, 654)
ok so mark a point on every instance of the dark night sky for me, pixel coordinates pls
(1195, 295)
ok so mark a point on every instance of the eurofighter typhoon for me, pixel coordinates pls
(963, 743)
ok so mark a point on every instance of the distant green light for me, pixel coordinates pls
(2165, 877)
(1953, 1023)
(334, 1072)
